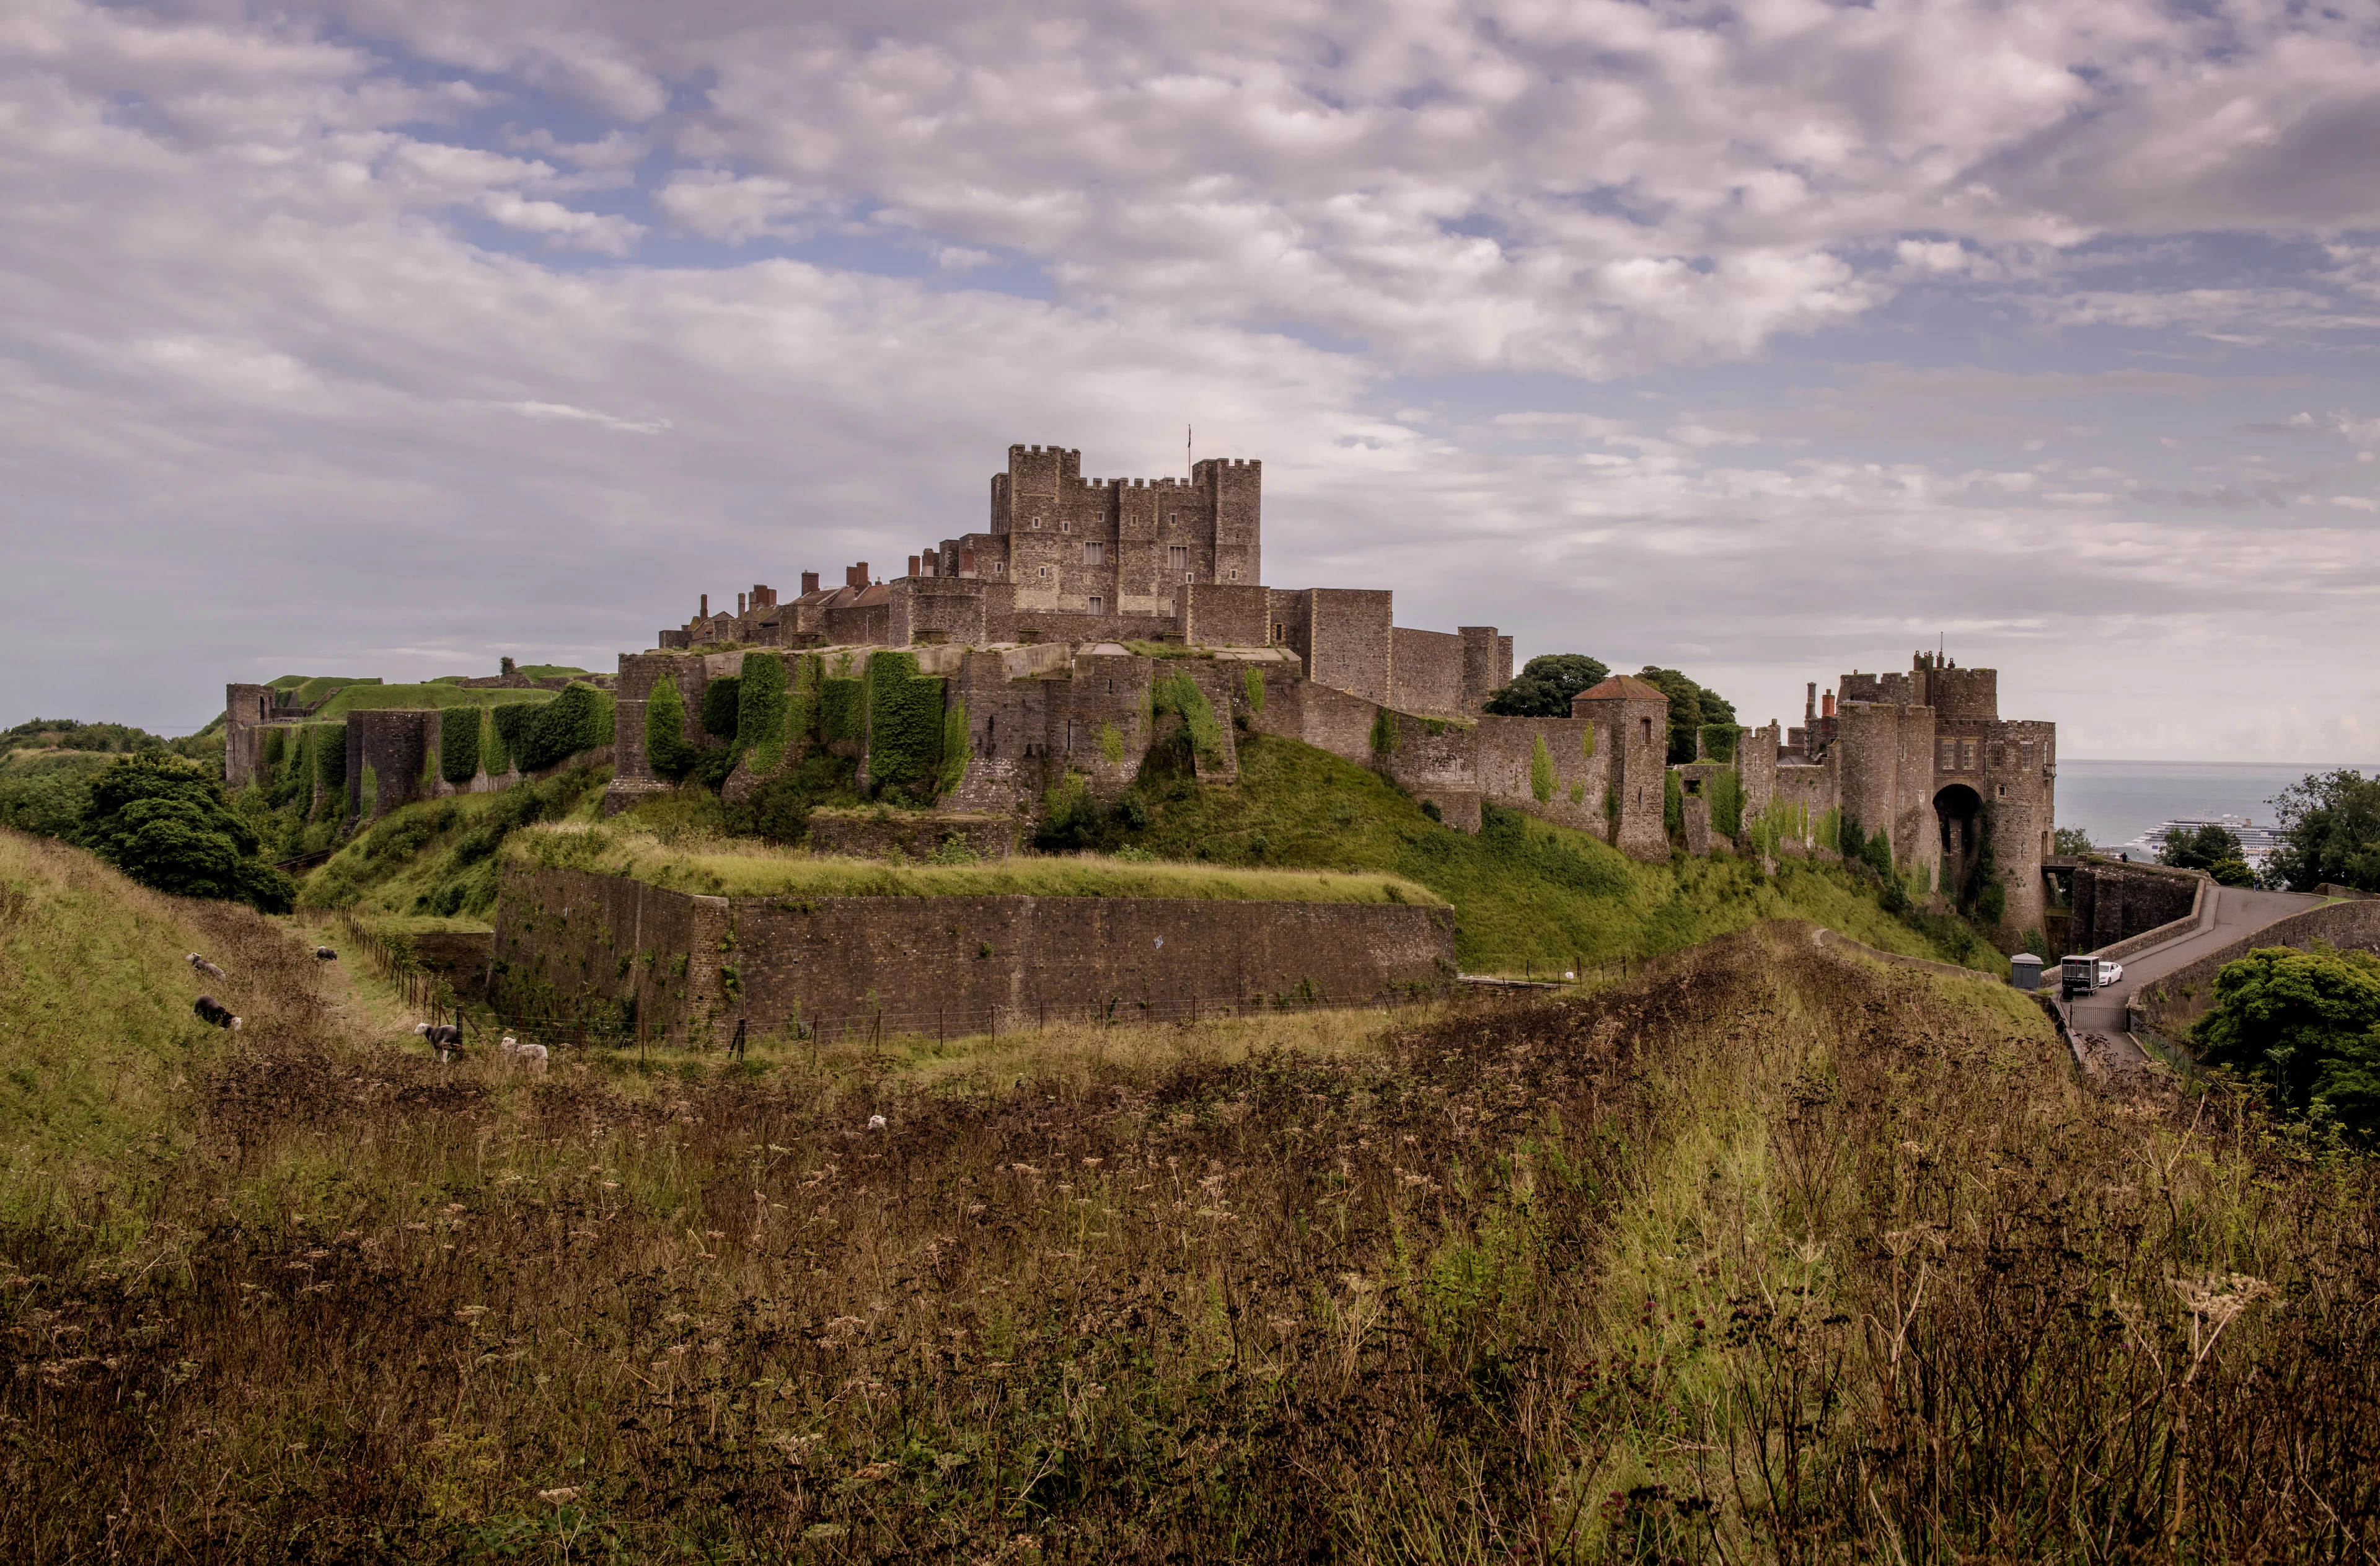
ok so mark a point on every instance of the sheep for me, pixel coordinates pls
(206, 967)
(523, 1054)
(325, 954)
(875, 1122)
(445, 1038)
(215, 1012)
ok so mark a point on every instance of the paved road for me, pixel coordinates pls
(2238, 912)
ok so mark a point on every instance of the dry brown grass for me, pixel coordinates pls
(1772, 1255)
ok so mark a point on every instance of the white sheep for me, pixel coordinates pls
(523, 1054)
(206, 967)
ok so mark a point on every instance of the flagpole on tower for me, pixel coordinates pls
(1188, 464)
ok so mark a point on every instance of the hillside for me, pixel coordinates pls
(1529, 897)
(1769, 1253)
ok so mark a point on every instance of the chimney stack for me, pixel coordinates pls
(913, 565)
(740, 609)
(810, 583)
(706, 606)
(1829, 710)
(856, 575)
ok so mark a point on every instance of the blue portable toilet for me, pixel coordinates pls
(2025, 971)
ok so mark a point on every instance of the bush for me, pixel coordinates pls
(331, 758)
(779, 810)
(760, 713)
(1727, 805)
(2306, 1024)
(1541, 771)
(1384, 732)
(164, 821)
(458, 744)
(1720, 740)
(49, 804)
(1179, 694)
(667, 750)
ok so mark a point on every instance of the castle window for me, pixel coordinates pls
(2024, 756)
(1647, 723)
(1946, 755)
(1095, 553)
(1999, 758)
(1177, 557)
(1036, 524)
(1967, 755)
(1235, 573)
(1045, 573)
(1065, 524)
(1098, 604)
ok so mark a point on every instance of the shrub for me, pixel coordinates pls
(164, 821)
(722, 706)
(331, 758)
(1720, 740)
(1541, 771)
(458, 744)
(1727, 805)
(2305, 1023)
(1586, 742)
(1180, 693)
(515, 723)
(666, 750)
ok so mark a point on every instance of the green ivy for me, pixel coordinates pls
(760, 713)
(905, 725)
(802, 700)
(1541, 771)
(1180, 693)
(722, 701)
(1727, 805)
(331, 758)
(1673, 807)
(1586, 742)
(666, 750)
(1384, 732)
(1830, 830)
(493, 760)
(458, 744)
(1112, 744)
(841, 709)
(954, 747)
(369, 791)
(1720, 740)
(1578, 793)
(274, 740)
(514, 723)
(1255, 691)
(579, 719)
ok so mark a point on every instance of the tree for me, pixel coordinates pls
(665, 744)
(1545, 684)
(2305, 1023)
(1690, 707)
(2329, 831)
(2199, 848)
(163, 820)
(2067, 842)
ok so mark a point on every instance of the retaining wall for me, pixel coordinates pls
(2174, 1001)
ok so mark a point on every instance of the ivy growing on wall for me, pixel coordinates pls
(1829, 834)
(721, 708)
(458, 744)
(513, 724)
(1727, 805)
(1179, 694)
(331, 757)
(1541, 770)
(579, 719)
(905, 725)
(1720, 740)
(370, 791)
(1783, 822)
(1673, 807)
(1384, 732)
(494, 759)
(802, 701)
(1255, 691)
(760, 713)
(1111, 744)
(667, 750)
(1586, 742)
(274, 739)
(841, 712)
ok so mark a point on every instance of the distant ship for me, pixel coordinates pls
(2255, 843)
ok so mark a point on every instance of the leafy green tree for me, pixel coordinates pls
(1545, 685)
(2198, 848)
(2329, 831)
(2068, 841)
(162, 820)
(2231, 872)
(2305, 1023)
(1691, 707)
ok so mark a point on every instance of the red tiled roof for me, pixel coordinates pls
(1622, 688)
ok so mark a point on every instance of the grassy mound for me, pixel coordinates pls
(1529, 896)
(757, 869)
(438, 856)
(356, 698)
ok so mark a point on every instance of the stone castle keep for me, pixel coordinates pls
(1096, 620)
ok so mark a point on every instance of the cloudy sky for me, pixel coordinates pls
(1766, 340)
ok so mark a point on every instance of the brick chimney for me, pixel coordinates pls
(913, 565)
(810, 583)
(856, 575)
(706, 606)
(1826, 710)
(740, 609)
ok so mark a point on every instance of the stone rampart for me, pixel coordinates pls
(2174, 1001)
(686, 968)
(2114, 903)
(1426, 671)
(914, 835)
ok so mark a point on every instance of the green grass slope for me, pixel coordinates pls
(438, 856)
(356, 698)
(1529, 896)
(96, 1032)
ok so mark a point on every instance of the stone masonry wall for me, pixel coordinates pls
(2116, 901)
(1350, 638)
(1507, 749)
(1426, 673)
(690, 965)
(2173, 1003)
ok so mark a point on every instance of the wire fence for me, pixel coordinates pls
(390, 957)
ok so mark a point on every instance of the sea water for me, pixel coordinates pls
(2119, 802)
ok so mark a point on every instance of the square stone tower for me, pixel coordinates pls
(1632, 719)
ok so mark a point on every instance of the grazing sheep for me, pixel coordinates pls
(523, 1054)
(875, 1122)
(325, 954)
(205, 968)
(215, 1012)
(445, 1038)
